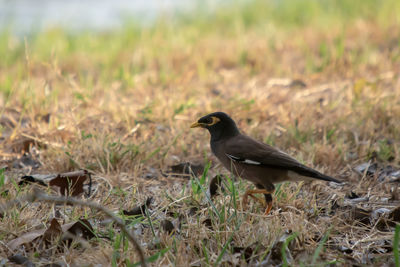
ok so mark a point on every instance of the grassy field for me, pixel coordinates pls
(318, 79)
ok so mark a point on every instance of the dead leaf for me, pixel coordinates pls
(26, 161)
(193, 211)
(388, 173)
(81, 228)
(167, 226)
(274, 257)
(384, 225)
(53, 231)
(27, 179)
(377, 213)
(69, 183)
(394, 215)
(395, 175)
(358, 215)
(21, 260)
(139, 210)
(152, 173)
(296, 83)
(185, 169)
(344, 249)
(352, 195)
(26, 238)
(44, 117)
(246, 252)
(22, 144)
(208, 223)
(367, 168)
(383, 173)
(214, 184)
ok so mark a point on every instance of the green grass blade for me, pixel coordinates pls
(396, 245)
(204, 191)
(285, 246)
(153, 257)
(221, 254)
(150, 221)
(320, 246)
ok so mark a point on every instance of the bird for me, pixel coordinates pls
(257, 162)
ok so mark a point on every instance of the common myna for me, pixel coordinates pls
(250, 159)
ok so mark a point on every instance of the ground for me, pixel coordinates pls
(319, 80)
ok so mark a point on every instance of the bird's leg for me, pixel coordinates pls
(267, 194)
(268, 202)
(246, 195)
(255, 198)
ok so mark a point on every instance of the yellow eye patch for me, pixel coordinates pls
(206, 122)
(214, 121)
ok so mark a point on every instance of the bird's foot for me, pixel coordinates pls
(268, 209)
(257, 191)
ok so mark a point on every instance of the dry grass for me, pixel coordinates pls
(121, 105)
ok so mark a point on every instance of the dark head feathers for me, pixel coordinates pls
(219, 124)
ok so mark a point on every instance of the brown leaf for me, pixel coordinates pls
(358, 215)
(385, 223)
(21, 260)
(208, 223)
(53, 231)
(28, 179)
(80, 228)
(22, 144)
(297, 84)
(246, 252)
(214, 184)
(275, 255)
(68, 183)
(395, 215)
(139, 210)
(185, 169)
(352, 195)
(71, 183)
(167, 226)
(43, 117)
(193, 211)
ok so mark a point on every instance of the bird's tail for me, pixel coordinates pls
(327, 178)
(305, 171)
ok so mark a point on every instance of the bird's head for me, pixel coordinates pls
(219, 124)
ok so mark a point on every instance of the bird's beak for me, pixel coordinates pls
(196, 124)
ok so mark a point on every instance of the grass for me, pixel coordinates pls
(121, 104)
(396, 240)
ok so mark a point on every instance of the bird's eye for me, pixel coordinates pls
(208, 121)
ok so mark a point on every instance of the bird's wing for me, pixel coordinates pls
(246, 150)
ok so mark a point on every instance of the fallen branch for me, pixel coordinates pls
(38, 195)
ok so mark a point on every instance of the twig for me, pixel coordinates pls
(38, 195)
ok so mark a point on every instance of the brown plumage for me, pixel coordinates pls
(252, 160)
